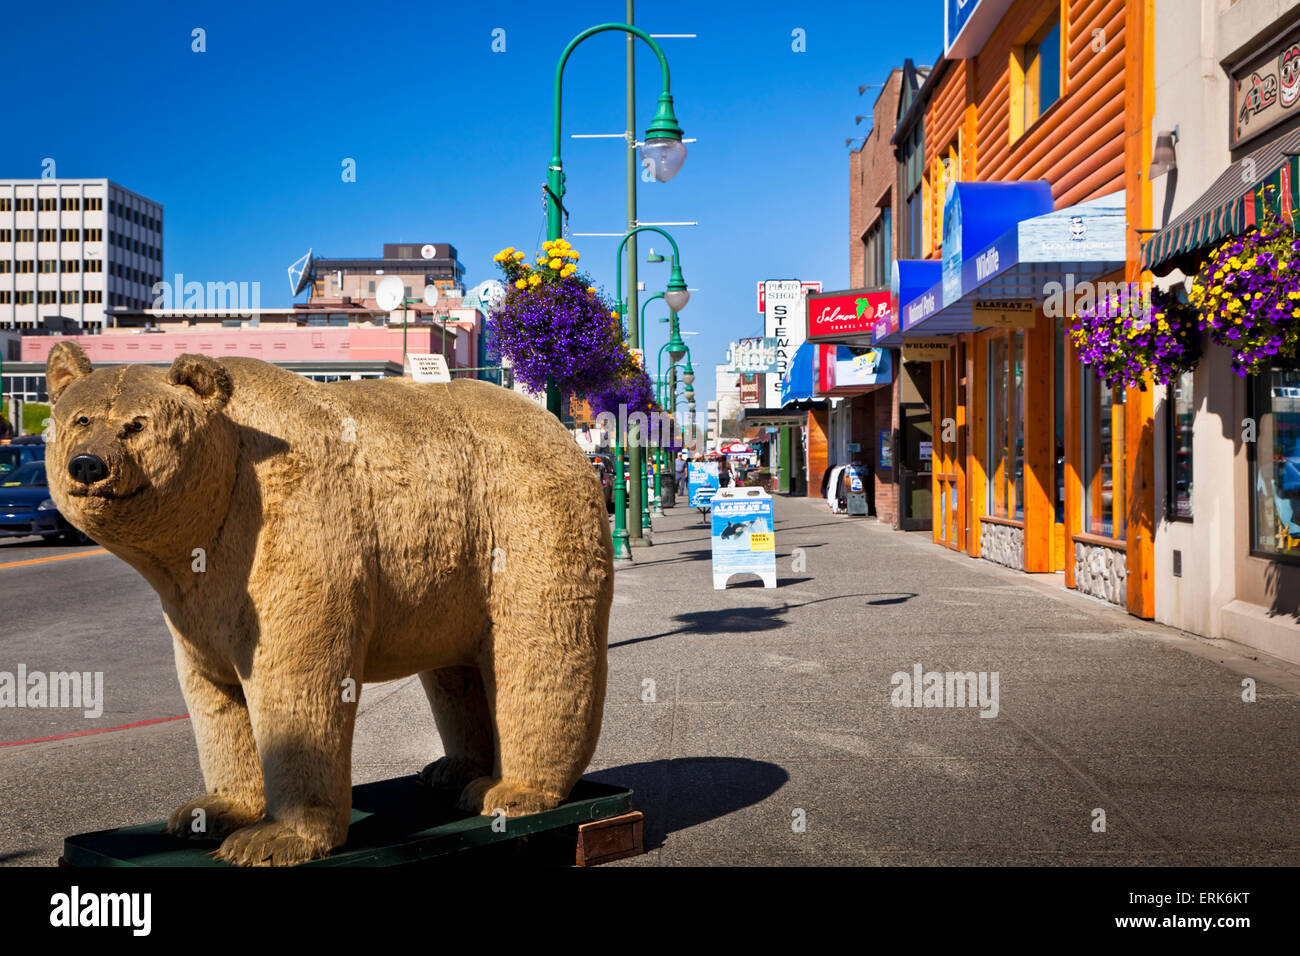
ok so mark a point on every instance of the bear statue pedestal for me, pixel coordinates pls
(400, 822)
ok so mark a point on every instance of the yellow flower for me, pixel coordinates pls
(591, 289)
(613, 315)
(518, 254)
(547, 244)
(555, 263)
(519, 284)
(534, 280)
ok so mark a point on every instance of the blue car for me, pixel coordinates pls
(19, 451)
(26, 508)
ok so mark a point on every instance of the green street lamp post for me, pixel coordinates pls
(676, 295)
(663, 151)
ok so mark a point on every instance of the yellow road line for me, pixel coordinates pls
(53, 557)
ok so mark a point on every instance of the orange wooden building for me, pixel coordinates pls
(1020, 168)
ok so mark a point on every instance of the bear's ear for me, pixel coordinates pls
(205, 377)
(66, 363)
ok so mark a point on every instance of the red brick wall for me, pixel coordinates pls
(872, 170)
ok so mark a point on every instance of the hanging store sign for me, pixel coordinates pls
(1003, 313)
(1265, 89)
(784, 321)
(749, 391)
(926, 350)
(756, 356)
(838, 314)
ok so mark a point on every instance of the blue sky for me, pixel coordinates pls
(244, 144)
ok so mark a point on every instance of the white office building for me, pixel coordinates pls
(75, 249)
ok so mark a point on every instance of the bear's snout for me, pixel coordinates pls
(87, 469)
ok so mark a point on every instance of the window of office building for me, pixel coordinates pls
(49, 204)
(94, 295)
(48, 235)
(71, 202)
(70, 265)
(69, 296)
(24, 203)
(6, 235)
(1275, 462)
(6, 204)
(70, 235)
(1103, 457)
(5, 266)
(49, 265)
(93, 265)
(24, 266)
(1005, 466)
(94, 203)
(47, 296)
(24, 235)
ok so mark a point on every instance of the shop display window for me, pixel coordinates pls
(1103, 457)
(1275, 463)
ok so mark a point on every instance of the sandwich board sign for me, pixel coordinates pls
(744, 541)
(701, 482)
(428, 368)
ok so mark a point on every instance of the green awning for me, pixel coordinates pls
(1232, 205)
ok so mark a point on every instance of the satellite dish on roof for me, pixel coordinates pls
(428, 251)
(301, 274)
(390, 293)
(430, 295)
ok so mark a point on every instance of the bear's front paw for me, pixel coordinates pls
(486, 795)
(271, 843)
(212, 817)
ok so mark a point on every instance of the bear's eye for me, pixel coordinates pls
(83, 420)
(135, 426)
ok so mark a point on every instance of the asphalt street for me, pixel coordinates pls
(757, 726)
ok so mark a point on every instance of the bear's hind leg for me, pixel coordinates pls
(460, 710)
(546, 704)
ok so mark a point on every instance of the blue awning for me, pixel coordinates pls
(976, 214)
(799, 383)
(1037, 258)
(908, 279)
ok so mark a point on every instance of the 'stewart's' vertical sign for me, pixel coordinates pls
(785, 322)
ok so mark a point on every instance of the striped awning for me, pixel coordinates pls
(1232, 205)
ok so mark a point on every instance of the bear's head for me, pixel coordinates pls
(140, 457)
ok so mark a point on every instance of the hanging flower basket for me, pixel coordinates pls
(1129, 336)
(553, 324)
(1248, 295)
(629, 388)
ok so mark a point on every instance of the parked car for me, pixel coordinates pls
(604, 465)
(27, 509)
(19, 451)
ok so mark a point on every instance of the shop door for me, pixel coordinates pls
(915, 494)
(948, 455)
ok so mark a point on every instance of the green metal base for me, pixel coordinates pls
(394, 822)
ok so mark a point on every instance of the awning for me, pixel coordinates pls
(773, 417)
(1229, 207)
(800, 381)
(1080, 243)
(977, 214)
(908, 278)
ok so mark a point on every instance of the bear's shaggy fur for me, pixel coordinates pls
(304, 538)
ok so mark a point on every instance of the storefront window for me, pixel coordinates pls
(1006, 451)
(1103, 457)
(1179, 428)
(1275, 464)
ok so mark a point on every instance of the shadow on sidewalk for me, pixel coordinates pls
(742, 620)
(682, 793)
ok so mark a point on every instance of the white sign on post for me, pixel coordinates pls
(784, 321)
(428, 368)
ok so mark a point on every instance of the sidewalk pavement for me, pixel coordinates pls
(772, 706)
